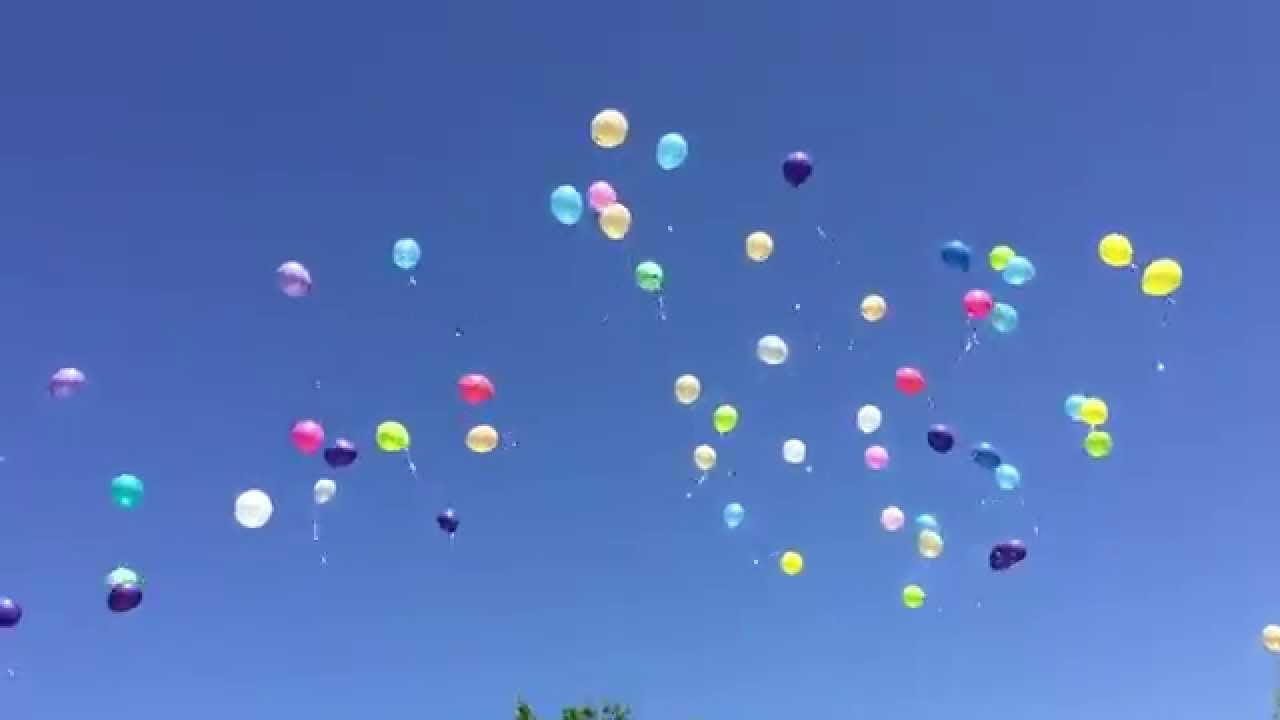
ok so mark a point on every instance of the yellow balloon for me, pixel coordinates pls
(1162, 277)
(1271, 639)
(929, 543)
(392, 436)
(482, 439)
(759, 246)
(873, 308)
(913, 596)
(1000, 256)
(1116, 250)
(615, 221)
(791, 563)
(688, 389)
(1094, 412)
(704, 457)
(609, 128)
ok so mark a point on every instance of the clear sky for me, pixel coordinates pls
(158, 161)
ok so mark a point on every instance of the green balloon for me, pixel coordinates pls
(1098, 443)
(649, 276)
(126, 491)
(123, 576)
(725, 419)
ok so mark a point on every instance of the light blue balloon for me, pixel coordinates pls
(406, 254)
(734, 513)
(926, 521)
(566, 204)
(1008, 477)
(1072, 406)
(1004, 318)
(1019, 271)
(672, 151)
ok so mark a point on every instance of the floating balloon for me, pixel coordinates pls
(956, 254)
(307, 436)
(725, 419)
(913, 597)
(342, 454)
(1000, 256)
(704, 458)
(1162, 277)
(794, 451)
(66, 382)
(123, 576)
(892, 519)
(874, 308)
(482, 439)
(406, 253)
(1116, 250)
(475, 389)
(978, 304)
(734, 514)
(126, 491)
(123, 598)
(649, 276)
(566, 205)
(1004, 318)
(253, 509)
(985, 455)
(601, 195)
(10, 613)
(869, 418)
(909, 381)
(791, 563)
(876, 457)
(294, 279)
(323, 492)
(1008, 477)
(1019, 271)
(929, 544)
(772, 350)
(759, 246)
(797, 168)
(1270, 634)
(615, 221)
(1005, 555)
(1098, 444)
(688, 389)
(673, 149)
(1094, 412)
(941, 439)
(391, 436)
(609, 128)
(448, 521)
(1073, 404)
(926, 521)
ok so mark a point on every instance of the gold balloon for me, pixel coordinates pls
(704, 457)
(791, 563)
(482, 439)
(609, 128)
(1271, 639)
(1162, 277)
(759, 246)
(873, 308)
(929, 543)
(1116, 250)
(1094, 412)
(688, 389)
(615, 221)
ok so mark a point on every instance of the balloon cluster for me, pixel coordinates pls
(1160, 278)
(1091, 411)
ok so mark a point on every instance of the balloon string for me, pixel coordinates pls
(662, 307)
(413, 467)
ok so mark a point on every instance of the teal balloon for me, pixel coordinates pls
(126, 491)
(1008, 477)
(734, 514)
(566, 205)
(926, 521)
(1004, 318)
(1072, 406)
(406, 254)
(673, 149)
(1019, 271)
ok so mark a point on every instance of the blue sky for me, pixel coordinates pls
(157, 163)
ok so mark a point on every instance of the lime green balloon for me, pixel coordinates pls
(124, 576)
(649, 276)
(725, 419)
(913, 597)
(126, 491)
(391, 436)
(1098, 444)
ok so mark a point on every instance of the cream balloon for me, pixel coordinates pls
(772, 350)
(929, 543)
(253, 509)
(482, 439)
(794, 451)
(869, 418)
(874, 308)
(1271, 639)
(704, 458)
(759, 246)
(324, 491)
(688, 389)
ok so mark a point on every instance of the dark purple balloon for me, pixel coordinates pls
(1006, 554)
(342, 454)
(124, 598)
(941, 439)
(448, 521)
(797, 168)
(10, 613)
(986, 456)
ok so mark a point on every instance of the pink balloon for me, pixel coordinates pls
(294, 279)
(978, 304)
(909, 381)
(892, 519)
(307, 436)
(601, 195)
(877, 457)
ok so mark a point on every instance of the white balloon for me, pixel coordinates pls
(253, 509)
(772, 350)
(324, 490)
(869, 418)
(794, 451)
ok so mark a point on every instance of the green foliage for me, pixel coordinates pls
(608, 711)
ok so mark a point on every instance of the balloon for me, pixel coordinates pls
(688, 389)
(566, 205)
(123, 576)
(797, 168)
(673, 149)
(956, 254)
(10, 613)
(1005, 555)
(892, 519)
(772, 350)
(448, 521)
(794, 451)
(759, 246)
(926, 521)
(734, 514)
(615, 221)
(1270, 634)
(986, 456)
(649, 276)
(725, 419)
(704, 458)
(482, 439)
(874, 308)
(253, 509)
(123, 598)
(978, 304)
(1000, 256)
(294, 280)
(929, 544)
(1116, 250)
(406, 254)
(307, 436)
(609, 128)
(876, 457)
(1008, 477)
(1019, 271)
(324, 491)
(791, 563)
(913, 597)
(1073, 404)
(1162, 277)
(1004, 318)
(1094, 412)
(475, 389)
(391, 436)
(342, 454)
(601, 195)
(65, 382)
(909, 381)
(1098, 444)
(869, 418)
(941, 439)
(126, 491)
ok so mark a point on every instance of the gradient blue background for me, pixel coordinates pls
(157, 162)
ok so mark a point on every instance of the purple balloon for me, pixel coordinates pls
(797, 168)
(342, 454)
(10, 613)
(448, 521)
(124, 598)
(65, 382)
(941, 439)
(294, 279)
(1005, 555)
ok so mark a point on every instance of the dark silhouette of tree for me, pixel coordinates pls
(608, 711)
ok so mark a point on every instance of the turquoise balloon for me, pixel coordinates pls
(1019, 271)
(1008, 477)
(1072, 406)
(566, 205)
(734, 514)
(126, 491)
(1004, 318)
(926, 521)
(672, 151)
(406, 254)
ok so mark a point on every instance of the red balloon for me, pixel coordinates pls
(307, 436)
(475, 389)
(910, 381)
(978, 304)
